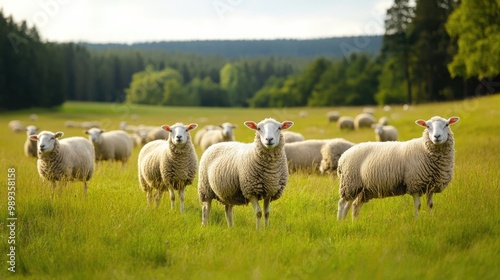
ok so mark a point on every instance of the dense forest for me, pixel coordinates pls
(431, 51)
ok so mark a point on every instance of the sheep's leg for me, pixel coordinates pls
(158, 195)
(267, 209)
(206, 212)
(85, 187)
(430, 202)
(416, 202)
(356, 206)
(343, 207)
(181, 198)
(172, 198)
(229, 215)
(149, 195)
(257, 210)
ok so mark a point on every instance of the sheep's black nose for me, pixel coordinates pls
(42, 146)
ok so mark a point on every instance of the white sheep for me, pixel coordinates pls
(110, 145)
(157, 133)
(345, 122)
(71, 124)
(64, 160)
(363, 120)
(200, 132)
(304, 155)
(331, 152)
(237, 173)
(16, 126)
(292, 136)
(369, 110)
(170, 164)
(214, 136)
(383, 121)
(385, 133)
(332, 116)
(33, 117)
(30, 145)
(382, 169)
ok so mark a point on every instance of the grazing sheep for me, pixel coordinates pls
(345, 122)
(363, 120)
(64, 160)
(385, 133)
(170, 164)
(333, 116)
(305, 155)
(383, 121)
(30, 145)
(236, 173)
(110, 145)
(71, 124)
(331, 152)
(368, 110)
(90, 124)
(16, 126)
(382, 169)
(217, 135)
(157, 133)
(292, 136)
(387, 108)
(200, 132)
(33, 117)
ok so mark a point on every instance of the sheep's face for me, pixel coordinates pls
(377, 128)
(31, 130)
(46, 141)
(325, 165)
(438, 128)
(94, 134)
(227, 129)
(269, 131)
(179, 133)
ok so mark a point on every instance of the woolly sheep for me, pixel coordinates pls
(200, 132)
(331, 152)
(16, 126)
(110, 145)
(217, 135)
(90, 124)
(368, 110)
(237, 173)
(387, 108)
(170, 164)
(71, 124)
(363, 120)
(304, 154)
(333, 116)
(64, 160)
(33, 117)
(382, 169)
(157, 133)
(345, 122)
(383, 121)
(29, 145)
(292, 136)
(385, 133)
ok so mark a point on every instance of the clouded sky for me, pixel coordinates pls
(128, 21)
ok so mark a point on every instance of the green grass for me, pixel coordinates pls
(112, 234)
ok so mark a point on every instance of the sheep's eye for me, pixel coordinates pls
(446, 125)
(258, 128)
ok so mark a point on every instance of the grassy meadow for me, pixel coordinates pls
(112, 234)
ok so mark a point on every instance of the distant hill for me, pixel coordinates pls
(327, 47)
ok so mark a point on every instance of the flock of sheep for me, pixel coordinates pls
(236, 173)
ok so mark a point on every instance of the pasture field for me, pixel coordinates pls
(112, 234)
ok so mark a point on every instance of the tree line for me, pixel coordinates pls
(430, 51)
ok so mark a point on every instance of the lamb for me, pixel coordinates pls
(304, 154)
(345, 122)
(292, 136)
(64, 160)
(382, 169)
(110, 145)
(363, 120)
(333, 116)
(331, 152)
(237, 173)
(217, 135)
(29, 145)
(385, 132)
(168, 164)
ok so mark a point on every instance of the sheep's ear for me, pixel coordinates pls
(421, 123)
(251, 125)
(59, 134)
(453, 120)
(166, 127)
(192, 126)
(34, 137)
(235, 126)
(286, 124)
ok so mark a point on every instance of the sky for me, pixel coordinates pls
(127, 21)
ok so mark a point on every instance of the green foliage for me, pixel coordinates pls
(112, 234)
(476, 25)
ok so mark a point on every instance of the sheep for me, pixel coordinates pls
(292, 136)
(217, 135)
(71, 124)
(237, 173)
(33, 117)
(363, 120)
(168, 164)
(368, 110)
(64, 160)
(387, 108)
(156, 133)
(332, 116)
(382, 169)
(200, 132)
(303, 114)
(304, 154)
(16, 126)
(90, 124)
(385, 133)
(30, 145)
(331, 152)
(383, 121)
(345, 122)
(110, 145)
